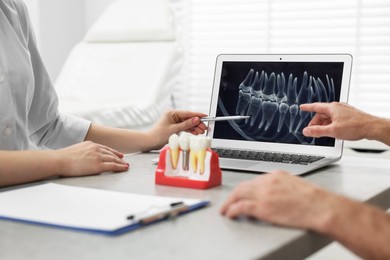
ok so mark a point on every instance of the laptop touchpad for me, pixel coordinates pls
(237, 164)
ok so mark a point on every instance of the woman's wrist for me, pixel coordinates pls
(151, 140)
(57, 163)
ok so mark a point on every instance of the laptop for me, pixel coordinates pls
(269, 88)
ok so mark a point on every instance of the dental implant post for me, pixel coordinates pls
(184, 142)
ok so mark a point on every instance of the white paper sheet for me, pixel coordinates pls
(81, 208)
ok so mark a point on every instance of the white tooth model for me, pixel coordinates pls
(188, 161)
(194, 149)
(200, 154)
(174, 149)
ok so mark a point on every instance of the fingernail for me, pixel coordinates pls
(195, 120)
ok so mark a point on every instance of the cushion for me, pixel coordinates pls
(120, 85)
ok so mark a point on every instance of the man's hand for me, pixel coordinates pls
(279, 198)
(338, 120)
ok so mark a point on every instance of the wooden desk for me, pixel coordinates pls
(203, 234)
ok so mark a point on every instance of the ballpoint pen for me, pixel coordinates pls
(223, 118)
(174, 209)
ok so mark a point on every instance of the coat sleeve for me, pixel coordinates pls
(47, 127)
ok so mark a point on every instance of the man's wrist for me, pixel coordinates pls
(327, 211)
(340, 210)
(379, 129)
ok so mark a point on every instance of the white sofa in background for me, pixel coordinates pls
(123, 73)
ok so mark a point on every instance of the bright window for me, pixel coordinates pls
(358, 27)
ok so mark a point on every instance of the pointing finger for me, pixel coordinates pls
(316, 107)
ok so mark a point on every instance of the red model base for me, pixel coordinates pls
(179, 181)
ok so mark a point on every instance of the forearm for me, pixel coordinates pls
(379, 129)
(18, 167)
(362, 228)
(123, 140)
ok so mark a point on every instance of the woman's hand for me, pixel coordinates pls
(88, 158)
(176, 121)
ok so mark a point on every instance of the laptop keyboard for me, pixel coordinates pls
(267, 156)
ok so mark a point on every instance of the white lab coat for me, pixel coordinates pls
(29, 114)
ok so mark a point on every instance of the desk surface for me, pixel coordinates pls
(203, 234)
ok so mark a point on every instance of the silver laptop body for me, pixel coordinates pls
(269, 88)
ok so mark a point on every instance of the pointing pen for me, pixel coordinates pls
(223, 118)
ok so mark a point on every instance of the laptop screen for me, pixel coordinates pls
(270, 93)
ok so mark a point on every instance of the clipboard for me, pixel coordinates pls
(90, 210)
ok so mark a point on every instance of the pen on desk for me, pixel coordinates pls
(175, 208)
(223, 118)
(175, 204)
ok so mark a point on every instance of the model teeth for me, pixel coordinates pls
(174, 146)
(202, 145)
(193, 151)
(194, 148)
(184, 142)
(198, 149)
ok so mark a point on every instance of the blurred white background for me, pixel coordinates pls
(210, 27)
(60, 24)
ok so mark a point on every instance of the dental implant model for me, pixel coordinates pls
(188, 161)
(184, 142)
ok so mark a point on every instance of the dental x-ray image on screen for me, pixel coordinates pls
(271, 93)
